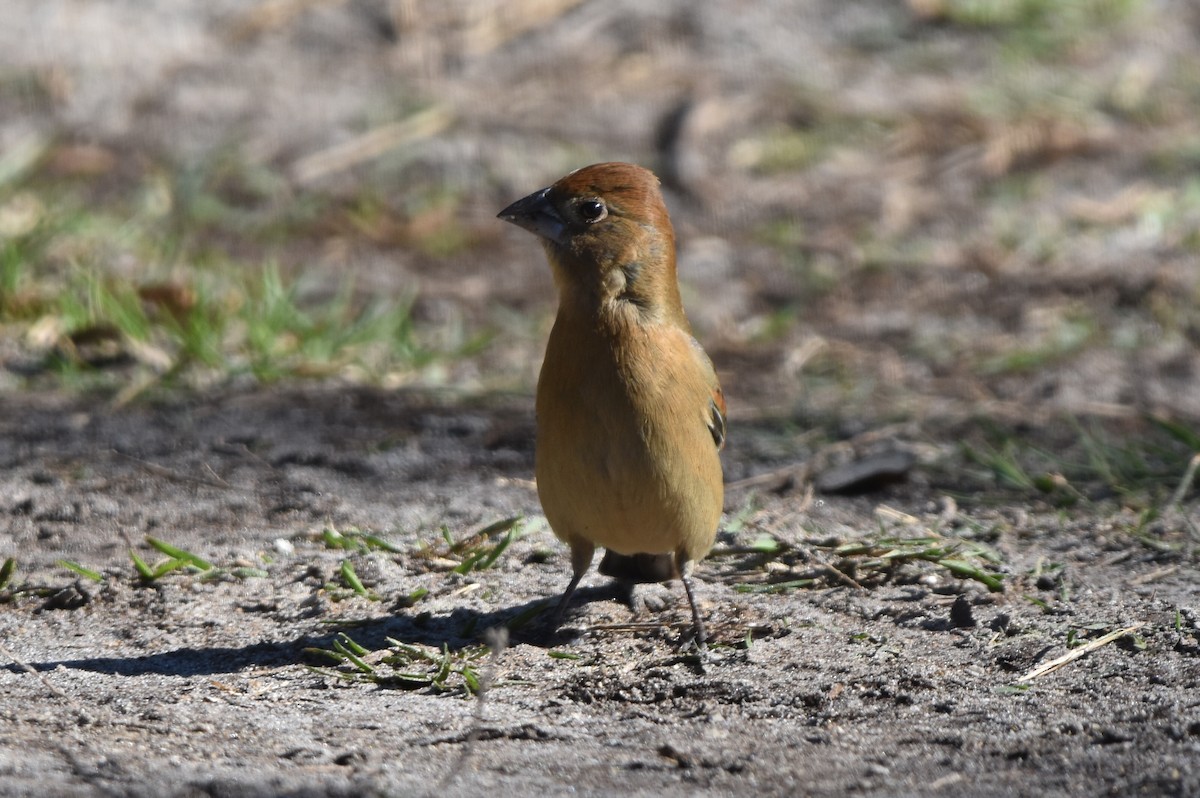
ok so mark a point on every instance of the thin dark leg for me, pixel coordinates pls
(565, 600)
(581, 560)
(701, 636)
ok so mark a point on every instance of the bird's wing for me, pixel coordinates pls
(715, 411)
(716, 417)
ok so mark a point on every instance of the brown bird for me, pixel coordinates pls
(630, 416)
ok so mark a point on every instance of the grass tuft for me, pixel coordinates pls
(477, 552)
(357, 541)
(403, 666)
(857, 563)
(175, 281)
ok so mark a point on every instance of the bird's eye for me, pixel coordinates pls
(592, 211)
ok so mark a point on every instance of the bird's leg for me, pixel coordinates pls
(581, 560)
(681, 564)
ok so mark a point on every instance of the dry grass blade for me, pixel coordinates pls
(497, 641)
(793, 472)
(636, 626)
(1076, 653)
(1154, 575)
(371, 145)
(174, 476)
(271, 16)
(1186, 483)
(842, 577)
(83, 715)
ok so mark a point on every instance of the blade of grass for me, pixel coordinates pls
(412, 598)
(352, 656)
(380, 543)
(993, 582)
(249, 573)
(1185, 484)
(71, 565)
(144, 571)
(525, 616)
(179, 554)
(6, 571)
(167, 566)
(349, 642)
(350, 577)
(490, 559)
(777, 587)
(1179, 432)
(1076, 653)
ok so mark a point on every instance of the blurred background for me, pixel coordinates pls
(930, 210)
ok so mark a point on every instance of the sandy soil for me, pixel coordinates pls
(876, 681)
(196, 686)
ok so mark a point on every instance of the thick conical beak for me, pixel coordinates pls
(536, 214)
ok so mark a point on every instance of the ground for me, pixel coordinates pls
(194, 684)
(944, 255)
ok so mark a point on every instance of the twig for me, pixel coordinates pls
(843, 576)
(174, 476)
(1153, 575)
(497, 640)
(71, 702)
(1076, 653)
(887, 513)
(807, 500)
(637, 626)
(776, 476)
(272, 15)
(527, 484)
(1186, 482)
(135, 389)
(1191, 525)
(370, 145)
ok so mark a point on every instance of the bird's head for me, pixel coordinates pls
(608, 238)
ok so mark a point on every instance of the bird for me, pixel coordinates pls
(630, 415)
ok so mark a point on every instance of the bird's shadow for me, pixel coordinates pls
(526, 623)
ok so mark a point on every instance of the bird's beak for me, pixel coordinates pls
(536, 214)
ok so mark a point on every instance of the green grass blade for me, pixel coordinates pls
(144, 571)
(380, 543)
(353, 659)
(777, 587)
(351, 578)
(167, 566)
(960, 568)
(490, 559)
(1185, 435)
(179, 554)
(71, 565)
(527, 615)
(352, 645)
(412, 598)
(6, 571)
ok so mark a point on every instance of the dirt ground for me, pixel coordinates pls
(929, 273)
(194, 686)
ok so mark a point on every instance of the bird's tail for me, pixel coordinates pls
(638, 567)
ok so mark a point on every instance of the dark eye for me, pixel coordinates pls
(592, 211)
